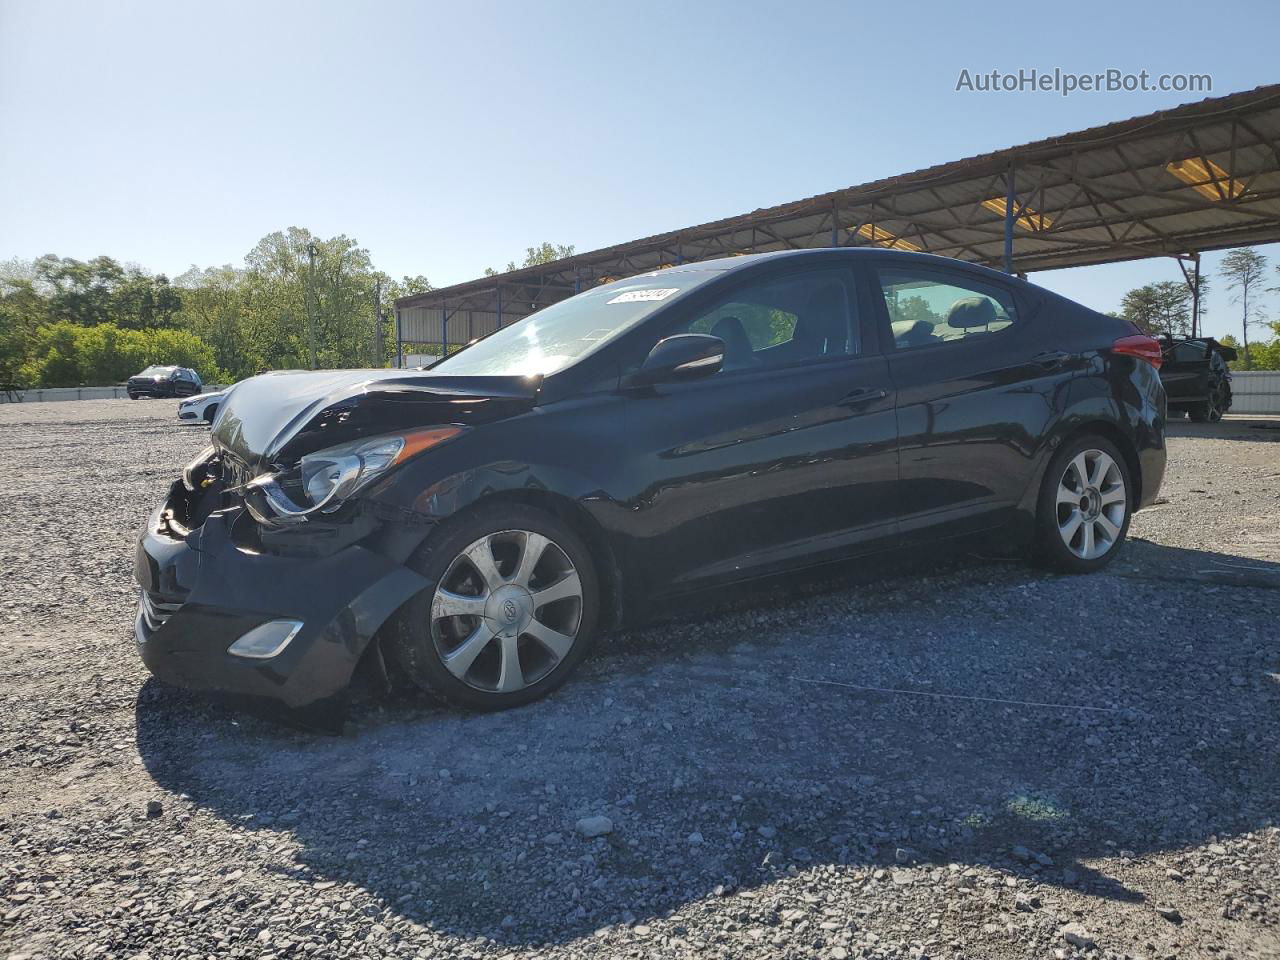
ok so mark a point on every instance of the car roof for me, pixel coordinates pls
(870, 254)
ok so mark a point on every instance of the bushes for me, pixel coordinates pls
(68, 355)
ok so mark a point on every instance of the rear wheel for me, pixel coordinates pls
(1212, 409)
(1084, 506)
(510, 612)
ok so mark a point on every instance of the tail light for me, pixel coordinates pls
(1142, 347)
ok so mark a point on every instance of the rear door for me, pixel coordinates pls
(978, 380)
(1185, 372)
(784, 458)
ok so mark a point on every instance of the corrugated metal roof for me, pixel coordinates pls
(1106, 193)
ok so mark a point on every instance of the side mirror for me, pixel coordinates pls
(685, 356)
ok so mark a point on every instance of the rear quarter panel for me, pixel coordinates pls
(1121, 392)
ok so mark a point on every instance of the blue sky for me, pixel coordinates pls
(448, 137)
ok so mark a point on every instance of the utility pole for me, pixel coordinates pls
(311, 299)
(377, 322)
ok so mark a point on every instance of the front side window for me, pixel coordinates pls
(564, 332)
(782, 321)
(928, 307)
(1190, 351)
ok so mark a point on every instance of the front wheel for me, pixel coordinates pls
(510, 613)
(210, 412)
(1084, 506)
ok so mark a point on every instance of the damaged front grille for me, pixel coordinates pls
(153, 613)
(235, 472)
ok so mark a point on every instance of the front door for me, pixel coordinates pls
(785, 457)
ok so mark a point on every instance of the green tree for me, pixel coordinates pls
(535, 257)
(1161, 307)
(103, 291)
(298, 299)
(303, 293)
(1243, 270)
(213, 308)
(22, 310)
(911, 309)
(68, 354)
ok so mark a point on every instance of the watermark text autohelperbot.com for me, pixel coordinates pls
(1066, 82)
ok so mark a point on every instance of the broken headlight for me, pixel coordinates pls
(328, 478)
(195, 473)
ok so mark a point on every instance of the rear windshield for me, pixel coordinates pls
(157, 371)
(556, 336)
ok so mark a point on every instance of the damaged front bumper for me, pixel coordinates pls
(218, 613)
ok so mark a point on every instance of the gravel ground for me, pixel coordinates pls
(980, 760)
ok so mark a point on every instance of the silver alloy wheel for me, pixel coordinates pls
(1213, 407)
(506, 611)
(1091, 504)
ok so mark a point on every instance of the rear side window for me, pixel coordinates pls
(931, 307)
(1190, 352)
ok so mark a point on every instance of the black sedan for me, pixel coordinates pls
(474, 525)
(162, 381)
(1196, 377)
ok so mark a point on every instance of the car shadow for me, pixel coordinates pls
(1234, 427)
(981, 713)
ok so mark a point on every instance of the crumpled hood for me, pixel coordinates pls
(276, 417)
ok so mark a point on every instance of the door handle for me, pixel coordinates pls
(862, 395)
(1050, 358)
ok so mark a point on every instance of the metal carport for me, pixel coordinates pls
(1201, 176)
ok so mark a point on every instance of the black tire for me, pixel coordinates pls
(413, 642)
(133, 396)
(1212, 409)
(1051, 549)
(210, 412)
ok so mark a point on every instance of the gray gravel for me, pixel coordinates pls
(1068, 766)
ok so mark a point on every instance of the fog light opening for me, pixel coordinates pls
(266, 641)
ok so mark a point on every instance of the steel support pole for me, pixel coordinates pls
(399, 342)
(1195, 300)
(444, 329)
(1192, 281)
(499, 308)
(1009, 201)
(377, 322)
(835, 224)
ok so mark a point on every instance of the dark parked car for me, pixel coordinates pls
(158, 381)
(1196, 378)
(703, 425)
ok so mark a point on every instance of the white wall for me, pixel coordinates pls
(1255, 391)
(47, 394)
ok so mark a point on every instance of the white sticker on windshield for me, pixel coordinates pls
(642, 296)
